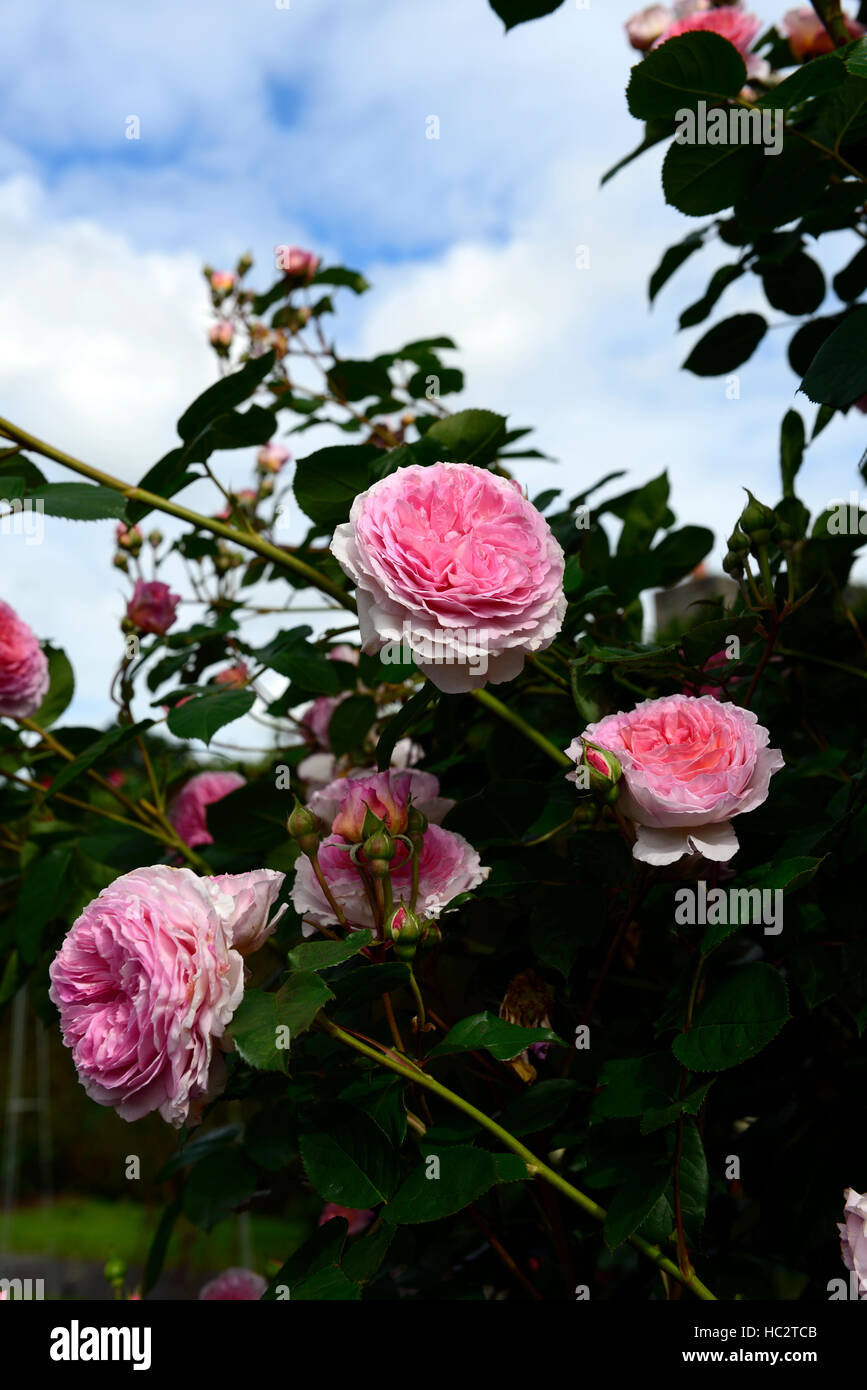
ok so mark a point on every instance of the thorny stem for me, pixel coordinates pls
(535, 1167)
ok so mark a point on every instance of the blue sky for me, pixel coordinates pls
(306, 124)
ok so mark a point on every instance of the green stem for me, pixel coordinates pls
(535, 1166)
(417, 996)
(831, 14)
(484, 697)
(254, 542)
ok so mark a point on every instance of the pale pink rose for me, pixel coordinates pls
(343, 804)
(645, 27)
(739, 28)
(271, 458)
(317, 717)
(853, 1237)
(234, 1286)
(221, 333)
(187, 811)
(146, 980)
(357, 1218)
(689, 765)
(343, 652)
(454, 563)
(223, 281)
(448, 866)
(153, 606)
(807, 35)
(24, 678)
(295, 261)
(254, 894)
(234, 677)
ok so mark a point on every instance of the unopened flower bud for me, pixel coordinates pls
(758, 521)
(598, 772)
(405, 930)
(733, 564)
(738, 542)
(378, 850)
(155, 539)
(244, 263)
(304, 827)
(114, 1270)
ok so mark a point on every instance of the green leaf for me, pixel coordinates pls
(41, 898)
(107, 743)
(159, 1246)
(851, 282)
(260, 1018)
(202, 715)
(327, 482)
(740, 1015)
(349, 1160)
(539, 1107)
(61, 689)
(796, 285)
(327, 1286)
(634, 1203)
(364, 1256)
(356, 381)
(838, 373)
(341, 276)
(813, 79)
(727, 345)
(721, 279)
(503, 1040)
(856, 59)
(223, 396)
(80, 501)
(463, 1175)
(470, 436)
(217, 1186)
(513, 12)
(645, 514)
(698, 179)
(322, 955)
(369, 982)
(350, 723)
(792, 441)
(400, 725)
(290, 654)
(682, 72)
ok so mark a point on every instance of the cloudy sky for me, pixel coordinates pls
(264, 122)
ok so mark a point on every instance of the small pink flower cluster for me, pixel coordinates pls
(807, 35)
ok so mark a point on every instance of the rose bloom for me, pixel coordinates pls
(649, 24)
(357, 1218)
(235, 677)
(853, 1237)
(147, 980)
(689, 765)
(344, 803)
(296, 261)
(223, 281)
(234, 1286)
(739, 28)
(24, 678)
(807, 35)
(448, 866)
(153, 606)
(271, 458)
(221, 333)
(453, 561)
(187, 811)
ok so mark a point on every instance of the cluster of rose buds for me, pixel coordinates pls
(374, 856)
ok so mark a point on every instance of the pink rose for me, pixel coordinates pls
(271, 458)
(317, 717)
(222, 281)
(689, 765)
(448, 866)
(357, 1218)
(153, 606)
(187, 810)
(740, 29)
(221, 333)
(645, 27)
(234, 1286)
(235, 677)
(296, 262)
(807, 35)
(343, 804)
(454, 563)
(853, 1237)
(146, 980)
(24, 678)
(255, 894)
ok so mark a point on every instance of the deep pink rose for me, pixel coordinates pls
(147, 980)
(343, 804)
(234, 1286)
(153, 606)
(24, 678)
(447, 866)
(689, 765)
(271, 458)
(807, 35)
(853, 1237)
(453, 563)
(295, 261)
(739, 28)
(357, 1218)
(187, 811)
(645, 27)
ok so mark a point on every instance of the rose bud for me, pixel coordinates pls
(153, 606)
(223, 281)
(304, 827)
(378, 849)
(300, 264)
(271, 458)
(220, 335)
(128, 538)
(598, 772)
(405, 930)
(757, 521)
